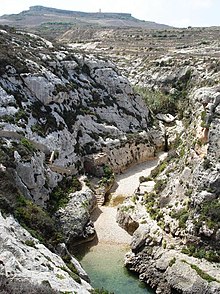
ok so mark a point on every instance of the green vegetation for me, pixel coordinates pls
(37, 221)
(71, 270)
(152, 207)
(207, 163)
(160, 185)
(48, 121)
(26, 143)
(8, 118)
(201, 252)
(30, 243)
(173, 260)
(158, 169)
(127, 207)
(100, 291)
(157, 101)
(210, 214)
(21, 115)
(108, 177)
(24, 147)
(204, 123)
(59, 276)
(189, 192)
(145, 179)
(211, 210)
(201, 273)
(182, 215)
(167, 103)
(59, 197)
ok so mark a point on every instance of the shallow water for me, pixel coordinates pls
(103, 259)
(104, 265)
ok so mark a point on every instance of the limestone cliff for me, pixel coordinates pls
(57, 107)
(69, 103)
(176, 246)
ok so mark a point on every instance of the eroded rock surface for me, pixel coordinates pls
(23, 257)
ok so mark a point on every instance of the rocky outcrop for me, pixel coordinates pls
(169, 271)
(175, 247)
(70, 104)
(22, 257)
(58, 108)
(74, 218)
(127, 222)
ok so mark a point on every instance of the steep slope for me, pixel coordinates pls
(176, 247)
(62, 114)
(72, 104)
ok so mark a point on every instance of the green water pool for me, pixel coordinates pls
(104, 265)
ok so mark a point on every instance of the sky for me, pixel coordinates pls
(178, 13)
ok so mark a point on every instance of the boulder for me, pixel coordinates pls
(74, 218)
(126, 221)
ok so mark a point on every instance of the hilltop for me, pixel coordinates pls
(46, 20)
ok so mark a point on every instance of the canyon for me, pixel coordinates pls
(76, 115)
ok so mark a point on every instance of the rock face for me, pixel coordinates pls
(74, 218)
(69, 104)
(58, 108)
(24, 258)
(170, 271)
(175, 248)
(75, 106)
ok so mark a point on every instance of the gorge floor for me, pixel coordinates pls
(103, 258)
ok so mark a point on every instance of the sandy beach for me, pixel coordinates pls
(104, 217)
(107, 229)
(128, 182)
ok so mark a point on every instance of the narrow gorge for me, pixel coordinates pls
(74, 122)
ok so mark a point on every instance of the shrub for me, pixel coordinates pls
(30, 243)
(59, 197)
(207, 163)
(17, 286)
(201, 273)
(160, 185)
(142, 179)
(182, 215)
(201, 252)
(210, 212)
(37, 221)
(158, 169)
(172, 261)
(108, 177)
(26, 143)
(157, 101)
